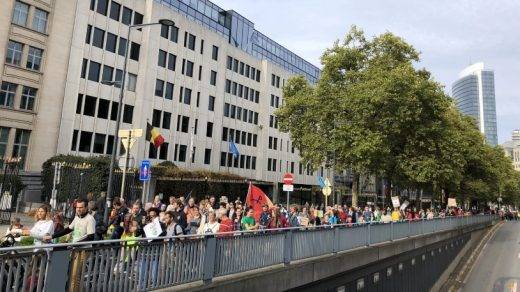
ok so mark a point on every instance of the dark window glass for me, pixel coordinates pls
(187, 96)
(162, 59)
(232, 111)
(99, 37)
(226, 109)
(258, 75)
(92, 5)
(90, 106)
(163, 151)
(138, 18)
(166, 120)
(103, 107)
(108, 73)
(241, 71)
(185, 124)
(110, 144)
(223, 158)
(242, 161)
(200, 72)
(201, 46)
(189, 68)
(172, 59)
(159, 88)
(209, 130)
(253, 162)
(196, 126)
(164, 31)
(198, 99)
(228, 86)
(93, 71)
(255, 137)
(207, 156)
(255, 119)
(174, 34)
(211, 104)
(128, 113)
(111, 43)
(152, 152)
(229, 63)
(114, 110)
(182, 153)
(190, 41)
(127, 16)
(169, 91)
(115, 9)
(122, 46)
(235, 65)
(134, 51)
(79, 103)
(99, 143)
(84, 68)
(74, 140)
(102, 6)
(214, 53)
(89, 34)
(85, 141)
(213, 78)
(224, 133)
(156, 118)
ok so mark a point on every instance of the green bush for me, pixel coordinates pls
(16, 183)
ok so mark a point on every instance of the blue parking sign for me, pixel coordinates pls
(144, 171)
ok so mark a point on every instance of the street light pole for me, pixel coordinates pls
(119, 112)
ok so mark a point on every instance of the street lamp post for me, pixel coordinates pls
(121, 84)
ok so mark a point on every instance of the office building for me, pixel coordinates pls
(512, 149)
(474, 94)
(210, 79)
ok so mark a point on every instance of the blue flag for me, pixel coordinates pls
(233, 149)
(321, 182)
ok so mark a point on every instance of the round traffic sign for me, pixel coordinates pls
(288, 179)
(326, 191)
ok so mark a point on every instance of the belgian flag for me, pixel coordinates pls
(153, 135)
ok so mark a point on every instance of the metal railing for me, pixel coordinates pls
(143, 264)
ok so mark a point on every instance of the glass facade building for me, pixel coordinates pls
(241, 33)
(474, 94)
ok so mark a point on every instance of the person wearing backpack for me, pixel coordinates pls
(173, 228)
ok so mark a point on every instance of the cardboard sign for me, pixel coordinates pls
(153, 230)
(452, 202)
(395, 202)
(404, 205)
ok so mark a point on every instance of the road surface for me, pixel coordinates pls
(498, 266)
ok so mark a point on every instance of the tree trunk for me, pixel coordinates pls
(355, 189)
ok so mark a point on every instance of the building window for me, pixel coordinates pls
(102, 7)
(28, 98)
(103, 107)
(99, 143)
(134, 51)
(108, 73)
(21, 143)
(166, 120)
(85, 141)
(209, 130)
(213, 78)
(211, 103)
(156, 118)
(185, 124)
(21, 10)
(159, 88)
(14, 53)
(201, 46)
(174, 34)
(132, 81)
(162, 59)
(115, 10)
(187, 68)
(172, 59)
(163, 151)
(152, 152)
(114, 111)
(4, 136)
(189, 41)
(229, 63)
(182, 153)
(164, 31)
(7, 93)
(138, 18)
(40, 20)
(187, 96)
(79, 103)
(128, 113)
(90, 106)
(214, 53)
(169, 91)
(122, 46)
(99, 37)
(127, 16)
(93, 71)
(207, 156)
(111, 43)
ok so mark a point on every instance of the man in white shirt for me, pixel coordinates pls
(82, 227)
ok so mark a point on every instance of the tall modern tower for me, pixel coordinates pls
(474, 93)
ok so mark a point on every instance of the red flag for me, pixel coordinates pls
(256, 199)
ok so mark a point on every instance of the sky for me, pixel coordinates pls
(449, 34)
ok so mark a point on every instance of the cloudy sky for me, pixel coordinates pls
(449, 34)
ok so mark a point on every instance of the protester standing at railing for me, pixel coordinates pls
(226, 224)
(367, 214)
(396, 215)
(173, 228)
(248, 222)
(265, 217)
(211, 226)
(43, 229)
(293, 216)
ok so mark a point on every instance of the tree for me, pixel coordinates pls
(374, 113)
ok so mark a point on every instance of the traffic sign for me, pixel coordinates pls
(136, 133)
(144, 171)
(327, 182)
(326, 191)
(288, 188)
(288, 179)
(128, 143)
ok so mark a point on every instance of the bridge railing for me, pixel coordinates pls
(143, 264)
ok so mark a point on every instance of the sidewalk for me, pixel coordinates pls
(27, 222)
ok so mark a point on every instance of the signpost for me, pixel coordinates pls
(326, 190)
(128, 140)
(288, 186)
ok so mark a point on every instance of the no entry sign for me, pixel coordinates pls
(288, 179)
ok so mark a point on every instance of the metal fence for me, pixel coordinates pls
(142, 265)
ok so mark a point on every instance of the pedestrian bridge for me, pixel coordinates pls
(269, 260)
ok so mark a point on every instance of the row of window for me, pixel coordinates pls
(20, 145)
(90, 142)
(111, 43)
(167, 60)
(273, 121)
(242, 114)
(242, 161)
(275, 101)
(243, 69)
(101, 73)
(21, 14)
(103, 108)
(242, 91)
(239, 137)
(116, 13)
(275, 81)
(172, 33)
(8, 92)
(15, 51)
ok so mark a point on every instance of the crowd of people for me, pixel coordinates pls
(186, 216)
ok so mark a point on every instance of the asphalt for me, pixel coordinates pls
(498, 266)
